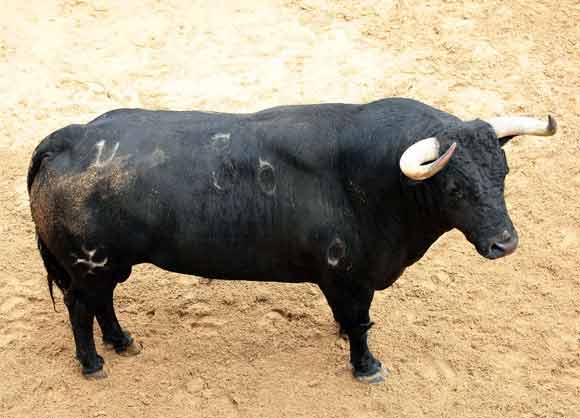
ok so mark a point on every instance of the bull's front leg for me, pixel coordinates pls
(350, 303)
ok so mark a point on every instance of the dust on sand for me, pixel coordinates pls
(463, 336)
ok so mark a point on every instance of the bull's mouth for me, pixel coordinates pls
(500, 246)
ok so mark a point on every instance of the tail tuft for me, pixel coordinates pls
(55, 272)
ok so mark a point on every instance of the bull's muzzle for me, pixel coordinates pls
(502, 245)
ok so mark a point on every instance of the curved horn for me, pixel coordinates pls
(522, 125)
(425, 150)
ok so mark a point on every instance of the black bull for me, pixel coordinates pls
(291, 194)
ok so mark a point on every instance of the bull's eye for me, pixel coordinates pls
(455, 192)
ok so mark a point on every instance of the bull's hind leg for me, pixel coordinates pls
(350, 303)
(90, 296)
(81, 305)
(113, 334)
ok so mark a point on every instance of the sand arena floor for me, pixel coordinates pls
(463, 336)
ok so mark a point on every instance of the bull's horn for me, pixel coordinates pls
(412, 160)
(522, 125)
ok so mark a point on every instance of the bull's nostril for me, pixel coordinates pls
(496, 247)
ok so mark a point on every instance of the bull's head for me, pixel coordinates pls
(469, 193)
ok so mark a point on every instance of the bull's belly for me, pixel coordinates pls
(232, 262)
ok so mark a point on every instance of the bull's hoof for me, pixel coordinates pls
(124, 346)
(370, 370)
(96, 375)
(373, 378)
(94, 371)
(131, 350)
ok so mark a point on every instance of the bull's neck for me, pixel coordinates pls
(423, 222)
(404, 216)
(398, 215)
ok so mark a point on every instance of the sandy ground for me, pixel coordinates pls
(463, 336)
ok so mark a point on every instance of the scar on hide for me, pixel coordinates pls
(335, 252)
(100, 145)
(156, 158)
(89, 262)
(266, 177)
(220, 142)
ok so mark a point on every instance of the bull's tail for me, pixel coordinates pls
(54, 271)
(52, 145)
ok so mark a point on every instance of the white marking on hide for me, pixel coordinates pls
(89, 262)
(264, 163)
(215, 181)
(220, 136)
(100, 145)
